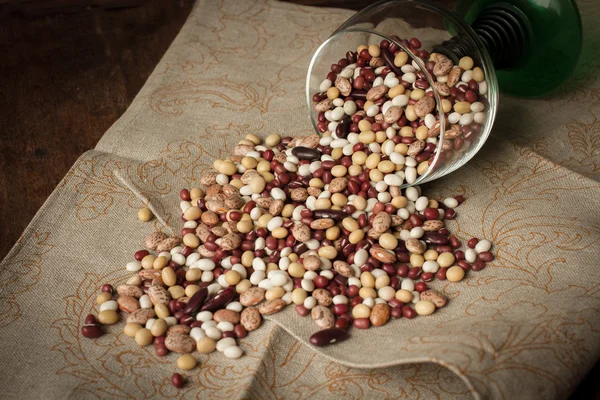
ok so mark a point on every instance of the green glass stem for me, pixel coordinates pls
(535, 44)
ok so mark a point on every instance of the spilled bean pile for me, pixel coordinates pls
(296, 221)
(381, 109)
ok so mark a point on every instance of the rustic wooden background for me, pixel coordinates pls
(68, 70)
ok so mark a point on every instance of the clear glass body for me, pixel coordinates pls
(390, 20)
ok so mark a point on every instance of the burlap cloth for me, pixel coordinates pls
(525, 327)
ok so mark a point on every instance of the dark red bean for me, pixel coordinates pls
(107, 288)
(184, 195)
(329, 336)
(408, 312)
(139, 255)
(220, 300)
(353, 291)
(478, 265)
(90, 319)
(431, 213)
(196, 301)
(464, 265)
(441, 274)
(341, 323)
(396, 312)
(414, 273)
(472, 243)
(301, 310)
(161, 350)
(362, 323)
(402, 271)
(454, 242)
(486, 256)
(92, 331)
(340, 309)
(177, 380)
(421, 286)
(450, 214)
(356, 301)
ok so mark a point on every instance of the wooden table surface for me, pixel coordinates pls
(65, 78)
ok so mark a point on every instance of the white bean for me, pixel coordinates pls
(197, 333)
(109, 305)
(470, 255)
(233, 352)
(212, 332)
(145, 302)
(431, 266)
(350, 107)
(326, 84)
(407, 284)
(451, 202)
(133, 266)
(483, 245)
(204, 316)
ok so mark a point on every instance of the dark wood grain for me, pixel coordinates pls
(65, 78)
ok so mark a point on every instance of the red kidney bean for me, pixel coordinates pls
(441, 274)
(396, 312)
(356, 301)
(184, 195)
(329, 336)
(362, 323)
(90, 319)
(320, 282)
(472, 243)
(196, 324)
(389, 269)
(140, 254)
(478, 265)
(431, 213)
(161, 350)
(485, 256)
(340, 309)
(454, 242)
(421, 286)
(450, 214)
(187, 251)
(177, 380)
(443, 249)
(249, 206)
(196, 301)
(239, 331)
(353, 291)
(402, 271)
(92, 331)
(107, 288)
(459, 255)
(464, 265)
(415, 220)
(408, 312)
(220, 300)
(414, 273)
(341, 323)
(228, 334)
(301, 310)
